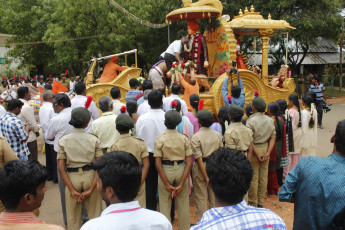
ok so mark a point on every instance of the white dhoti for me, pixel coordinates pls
(156, 76)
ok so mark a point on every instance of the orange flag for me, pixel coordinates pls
(58, 87)
(41, 93)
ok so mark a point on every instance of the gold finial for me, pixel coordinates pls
(186, 15)
(269, 17)
(246, 10)
(203, 14)
(209, 14)
(187, 3)
(166, 21)
(240, 13)
(181, 16)
(252, 9)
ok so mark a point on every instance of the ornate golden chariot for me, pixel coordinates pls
(229, 32)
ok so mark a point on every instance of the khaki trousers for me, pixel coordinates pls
(258, 186)
(202, 192)
(82, 181)
(174, 175)
(141, 196)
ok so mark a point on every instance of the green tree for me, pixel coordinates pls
(26, 20)
(116, 31)
(312, 19)
(76, 31)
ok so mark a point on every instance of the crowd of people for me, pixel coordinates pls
(154, 151)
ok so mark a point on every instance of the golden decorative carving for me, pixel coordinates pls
(98, 90)
(249, 22)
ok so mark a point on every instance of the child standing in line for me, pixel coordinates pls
(171, 150)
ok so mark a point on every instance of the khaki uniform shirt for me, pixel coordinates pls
(237, 136)
(79, 148)
(172, 146)
(6, 154)
(130, 144)
(262, 127)
(205, 142)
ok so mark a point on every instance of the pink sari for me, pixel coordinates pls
(194, 121)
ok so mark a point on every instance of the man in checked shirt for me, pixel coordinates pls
(15, 132)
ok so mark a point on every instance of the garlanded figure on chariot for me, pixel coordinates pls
(209, 57)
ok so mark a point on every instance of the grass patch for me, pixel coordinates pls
(334, 92)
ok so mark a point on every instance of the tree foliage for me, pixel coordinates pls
(311, 18)
(99, 28)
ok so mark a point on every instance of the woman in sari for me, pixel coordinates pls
(223, 121)
(309, 129)
(194, 102)
(185, 126)
(278, 150)
(295, 114)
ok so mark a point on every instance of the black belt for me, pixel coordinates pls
(260, 143)
(205, 160)
(84, 168)
(166, 162)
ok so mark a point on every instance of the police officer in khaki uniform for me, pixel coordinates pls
(238, 136)
(204, 143)
(6, 155)
(136, 147)
(264, 137)
(171, 149)
(4, 85)
(77, 151)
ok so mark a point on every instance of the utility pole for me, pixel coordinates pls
(341, 44)
(341, 62)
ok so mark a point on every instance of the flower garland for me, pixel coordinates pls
(180, 68)
(190, 44)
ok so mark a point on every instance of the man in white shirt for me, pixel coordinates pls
(27, 116)
(46, 114)
(116, 95)
(172, 54)
(59, 126)
(175, 91)
(148, 127)
(104, 127)
(118, 176)
(144, 107)
(72, 84)
(79, 101)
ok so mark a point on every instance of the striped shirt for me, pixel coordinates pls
(24, 220)
(318, 90)
(239, 216)
(132, 94)
(13, 130)
(18, 217)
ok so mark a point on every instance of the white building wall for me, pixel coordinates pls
(3, 51)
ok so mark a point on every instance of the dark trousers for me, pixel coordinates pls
(151, 187)
(33, 150)
(280, 176)
(319, 108)
(51, 163)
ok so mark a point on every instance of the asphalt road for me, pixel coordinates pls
(50, 210)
